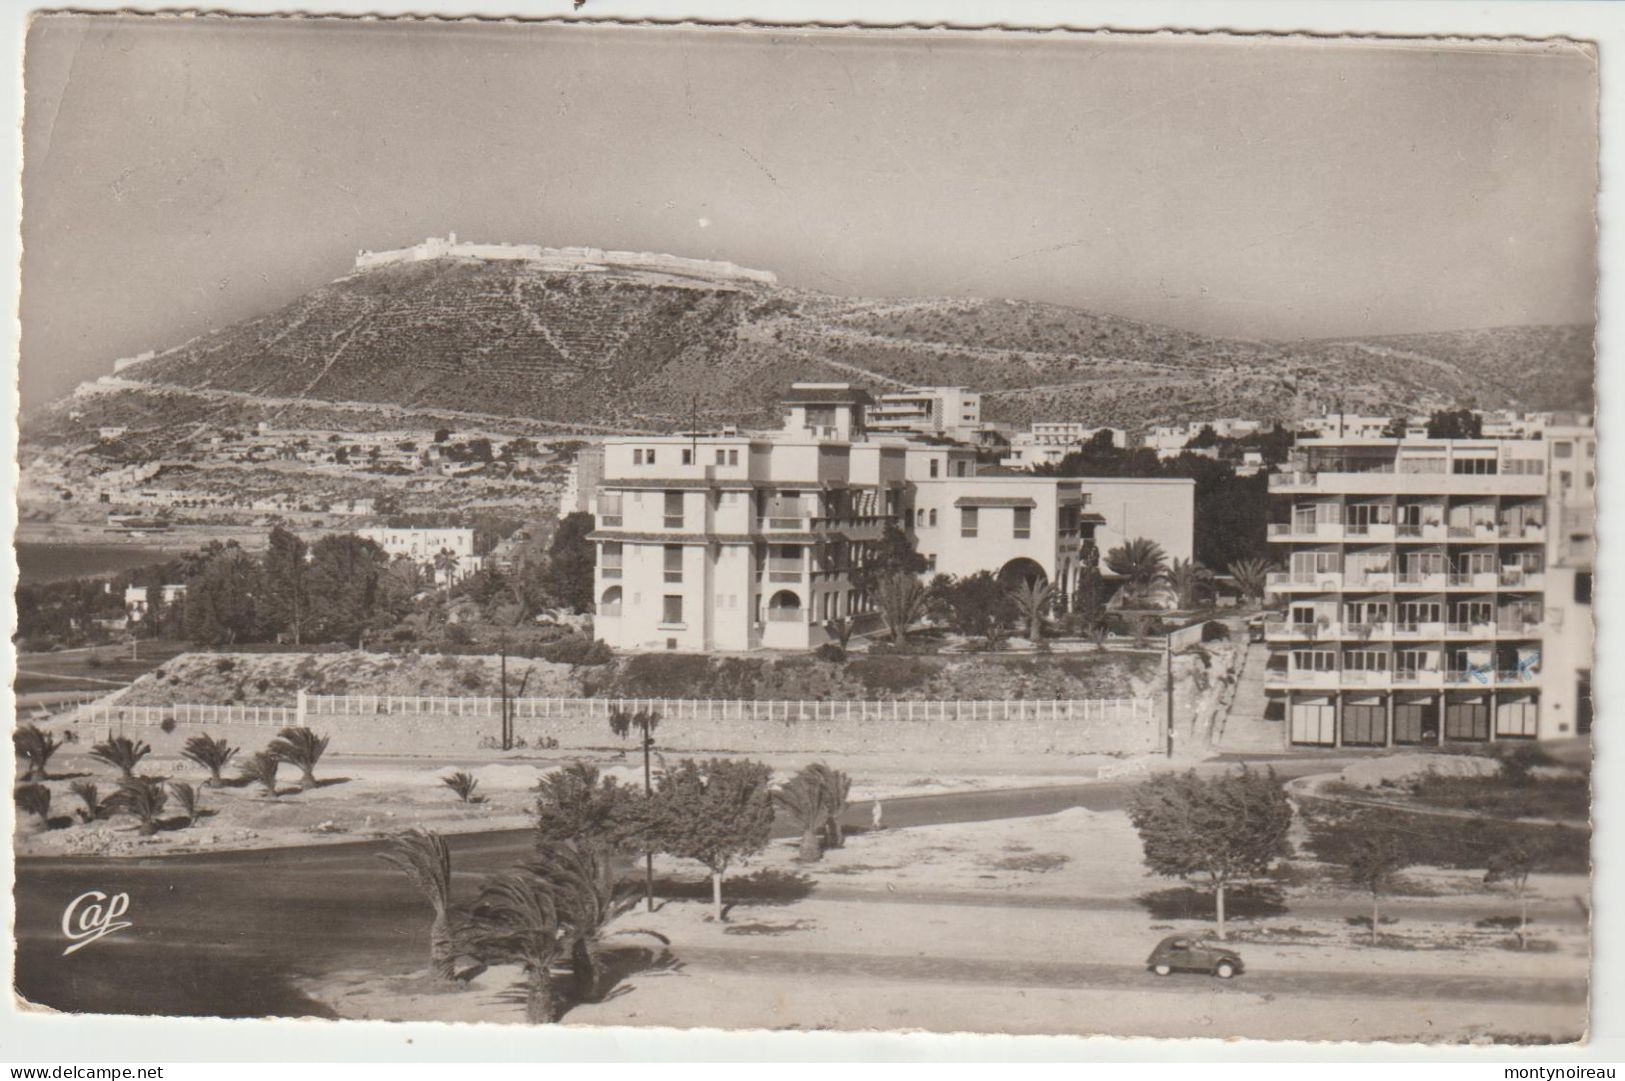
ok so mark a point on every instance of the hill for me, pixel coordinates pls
(506, 344)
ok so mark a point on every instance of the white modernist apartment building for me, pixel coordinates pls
(427, 545)
(1434, 590)
(951, 411)
(1049, 441)
(747, 540)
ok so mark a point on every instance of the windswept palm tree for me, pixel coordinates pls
(837, 788)
(445, 564)
(260, 768)
(424, 858)
(1251, 576)
(35, 746)
(300, 747)
(212, 754)
(143, 797)
(1141, 561)
(122, 752)
(35, 799)
(1190, 581)
(515, 921)
(902, 601)
(805, 798)
(587, 896)
(1034, 597)
(185, 798)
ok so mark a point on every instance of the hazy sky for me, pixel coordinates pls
(185, 174)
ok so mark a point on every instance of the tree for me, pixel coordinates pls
(1455, 424)
(445, 565)
(1252, 577)
(587, 897)
(840, 628)
(902, 600)
(1216, 829)
(714, 812)
(1512, 863)
(211, 753)
(186, 798)
(300, 747)
(424, 858)
(894, 554)
(286, 598)
(621, 723)
(1372, 863)
(343, 579)
(1203, 439)
(1191, 582)
(979, 606)
(35, 799)
(515, 921)
(806, 797)
(222, 602)
(143, 797)
(1033, 599)
(1396, 427)
(570, 562)
(121, 752)
(1141, 562)
(260, 768)
(1089, 602)
(576, 804)
(35, 746)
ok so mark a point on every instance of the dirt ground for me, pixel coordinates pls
(364, 797)
(1037, 925)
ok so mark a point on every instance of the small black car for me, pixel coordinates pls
(1182, 953)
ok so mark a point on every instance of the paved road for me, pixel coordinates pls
(222, 933)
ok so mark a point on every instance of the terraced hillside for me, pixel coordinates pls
(506, 344)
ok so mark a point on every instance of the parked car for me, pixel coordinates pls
(1182, 953)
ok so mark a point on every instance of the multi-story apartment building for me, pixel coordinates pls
(448, 551)
(1048, 442)
(951, 411)
(746, 540)
(1416, 593)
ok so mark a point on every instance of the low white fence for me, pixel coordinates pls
(380, 708)
(1081, 710)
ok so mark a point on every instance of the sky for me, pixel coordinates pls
(184, 174)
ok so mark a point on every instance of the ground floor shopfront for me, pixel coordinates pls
(1400, 719)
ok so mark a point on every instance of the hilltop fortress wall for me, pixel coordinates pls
(565, 259)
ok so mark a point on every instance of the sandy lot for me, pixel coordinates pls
(364, 797)
(1012, 926)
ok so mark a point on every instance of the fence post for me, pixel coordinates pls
(300, 708)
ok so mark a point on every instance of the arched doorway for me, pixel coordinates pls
(610, 603)
(1021, 569)
(784, 607)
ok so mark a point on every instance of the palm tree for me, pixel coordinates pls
(143, 797)
(186, 798)
(210, 753)
(515, 921)
(34, 746)
(840, 628)
(1190, 582)
(424, 858)
(121, 752)
(260, 768)
(806, 799)
(902, 600)
(837, 787)
(35, 799)
(1251, 575)
(445, 564)
(1141, 561)
(90, 796)
(1034, 596)
(463, 783)
(300, 747)
(587, 897)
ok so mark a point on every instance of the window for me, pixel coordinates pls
(1473, 466)
(609, 508)
(1365, 660)
(1024, 523)
(688, 455)
(674, 510)
(722, 456)
(933, 468)
(961, 468)
(674, 562)
(1582, 587)
(933, 517)
(931, 561)
(671, 609)
(637, 455)
(1562, 450)
(733, 457)
(1305, 660)
(967, 521)
(610, 564)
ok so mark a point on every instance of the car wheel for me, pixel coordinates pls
(1162, 970)
(1224, 970)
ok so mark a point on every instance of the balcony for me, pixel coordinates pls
(609, 571)
(1421, 631)
(610, 521)
(784, 522)
(1518, 578)
(1288, 482)
(1481, 629)
(1420, 581)
(787, 615)
(1423, 532)
(1305, 581)
(1365, 632)
(785, 570)
(1378, 580)
(1369, 532)
(609, 611)
(1281, 630)
(1527, 533)
(1279, 677)
(672, 521)
(1361, 677)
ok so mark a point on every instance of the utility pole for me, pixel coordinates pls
(507, 736)
(648, 792)
(1168, 673)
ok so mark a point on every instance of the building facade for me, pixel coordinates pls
(448, 551)
(1416, 593)
(951, 411)
(746, 540)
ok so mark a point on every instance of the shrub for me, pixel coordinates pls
(167, 725)
(891, 673)
(262, 685)
(472, 679)
(91, 798)
(459, 635)
(657, 675)
(94, 661)
(577, 649)
(1214, 631)
(224, 664)
(830, 651)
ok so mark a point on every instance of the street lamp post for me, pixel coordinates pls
(1168, 681)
